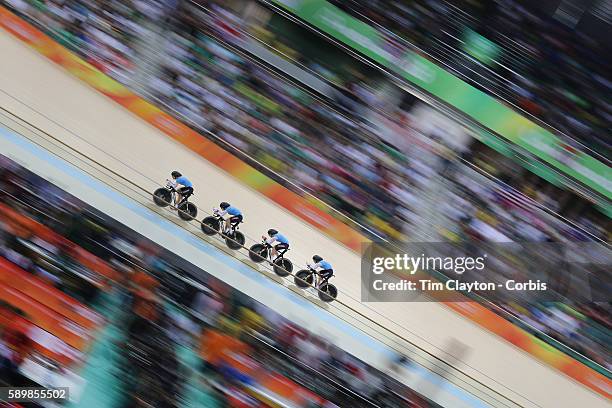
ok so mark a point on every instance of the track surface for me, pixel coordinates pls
(47, 97)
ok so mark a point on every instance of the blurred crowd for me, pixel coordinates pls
(583, 328)
(167, 304)
(549, 70)
(91, 27)
(52, 259)
(328, 150)
(49, 288)
(317, 145)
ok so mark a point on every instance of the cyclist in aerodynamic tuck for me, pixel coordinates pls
(186, 188)
(280, 239)
(234, 216)
(323, 268)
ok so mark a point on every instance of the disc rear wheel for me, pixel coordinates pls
(283, 267)
(328, 292)
(187, 211)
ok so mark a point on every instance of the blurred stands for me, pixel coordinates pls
(330, 151)
(91, 26)
(540, 65)
(49, 288)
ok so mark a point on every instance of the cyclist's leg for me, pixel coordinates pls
(275, 252)
(325, 274)
(279, 250)
(227, 225)
(180, 196)
(184, 194)
(235, 220)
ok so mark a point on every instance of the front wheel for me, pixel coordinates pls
(304, 278)
(258, 253)
(210, 225)
(328, 292)
(187, 211)
(162, 197)
(283, 267)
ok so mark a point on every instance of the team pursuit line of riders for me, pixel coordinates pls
(226, 220)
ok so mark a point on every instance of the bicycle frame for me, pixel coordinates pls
(225, 223)
(175, 194)
(269, 249)
(317, 276)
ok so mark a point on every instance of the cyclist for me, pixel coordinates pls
(275, 236)
(187, 187)
(323, 268)
(235, 216)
